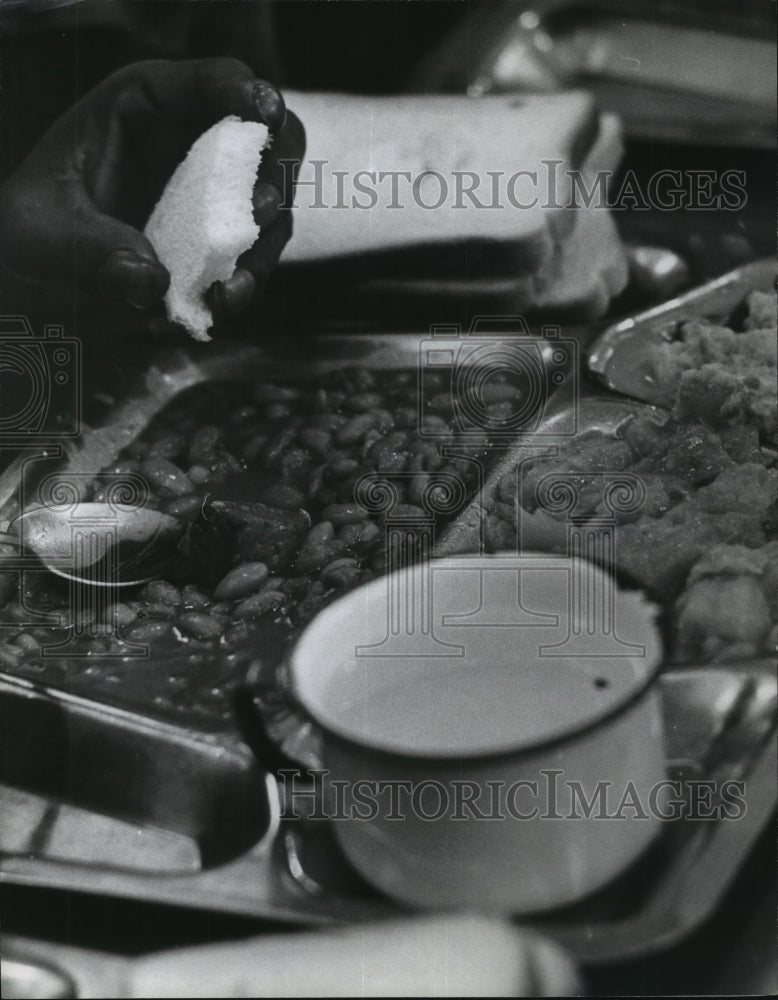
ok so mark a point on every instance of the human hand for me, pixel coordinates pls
(74, 210)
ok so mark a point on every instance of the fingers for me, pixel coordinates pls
(52, 229)
(272, 199)
(185, 99)
(115, 258)
(227, 298)
(50, 225)
(127, 277)
(270, 104)
(281, 162)
(274, 189)
(262, 258)
(203, 91)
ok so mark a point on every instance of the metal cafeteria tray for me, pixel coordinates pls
(204, 814)
(141, 685)
(720, 726)
(172, 372)
(622, 357)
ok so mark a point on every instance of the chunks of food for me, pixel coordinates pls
(703, 539)
(724, 376)
(706, 493)
(727, 610)
(659, 552)
(227, 534)
(761, 308)
(204, 219)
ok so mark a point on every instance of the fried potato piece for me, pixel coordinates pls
(724, 376)
(727, 610)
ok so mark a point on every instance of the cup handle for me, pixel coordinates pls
(273, 725)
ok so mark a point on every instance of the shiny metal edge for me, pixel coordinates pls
(714, 299)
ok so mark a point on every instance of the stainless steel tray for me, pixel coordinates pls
(169, 376)
(171, 372)
(720, 726)
(621, 357)
(215, 840)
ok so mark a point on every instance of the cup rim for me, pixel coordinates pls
(334, 734)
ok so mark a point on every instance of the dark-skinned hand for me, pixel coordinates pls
(73, 213)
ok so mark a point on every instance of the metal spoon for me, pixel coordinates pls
(100, 544)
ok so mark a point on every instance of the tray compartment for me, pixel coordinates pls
(367, 403)
(656, 542)
(116, 763)
(621, 358)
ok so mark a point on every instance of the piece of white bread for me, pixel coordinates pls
(557, 258)
(588, 269)
(204, 219)
(449, 135)
(568, 262)
(589, 266)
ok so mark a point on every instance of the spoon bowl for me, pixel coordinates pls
(100, 544)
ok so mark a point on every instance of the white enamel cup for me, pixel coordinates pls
(491, 729)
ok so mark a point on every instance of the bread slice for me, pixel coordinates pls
(555, 256)
(204, 219)
(590, 269)
(587, 270)
(449, 135)
(565, 266)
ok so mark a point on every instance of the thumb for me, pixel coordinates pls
(116, 259)
(57, 231)
(131, 277)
